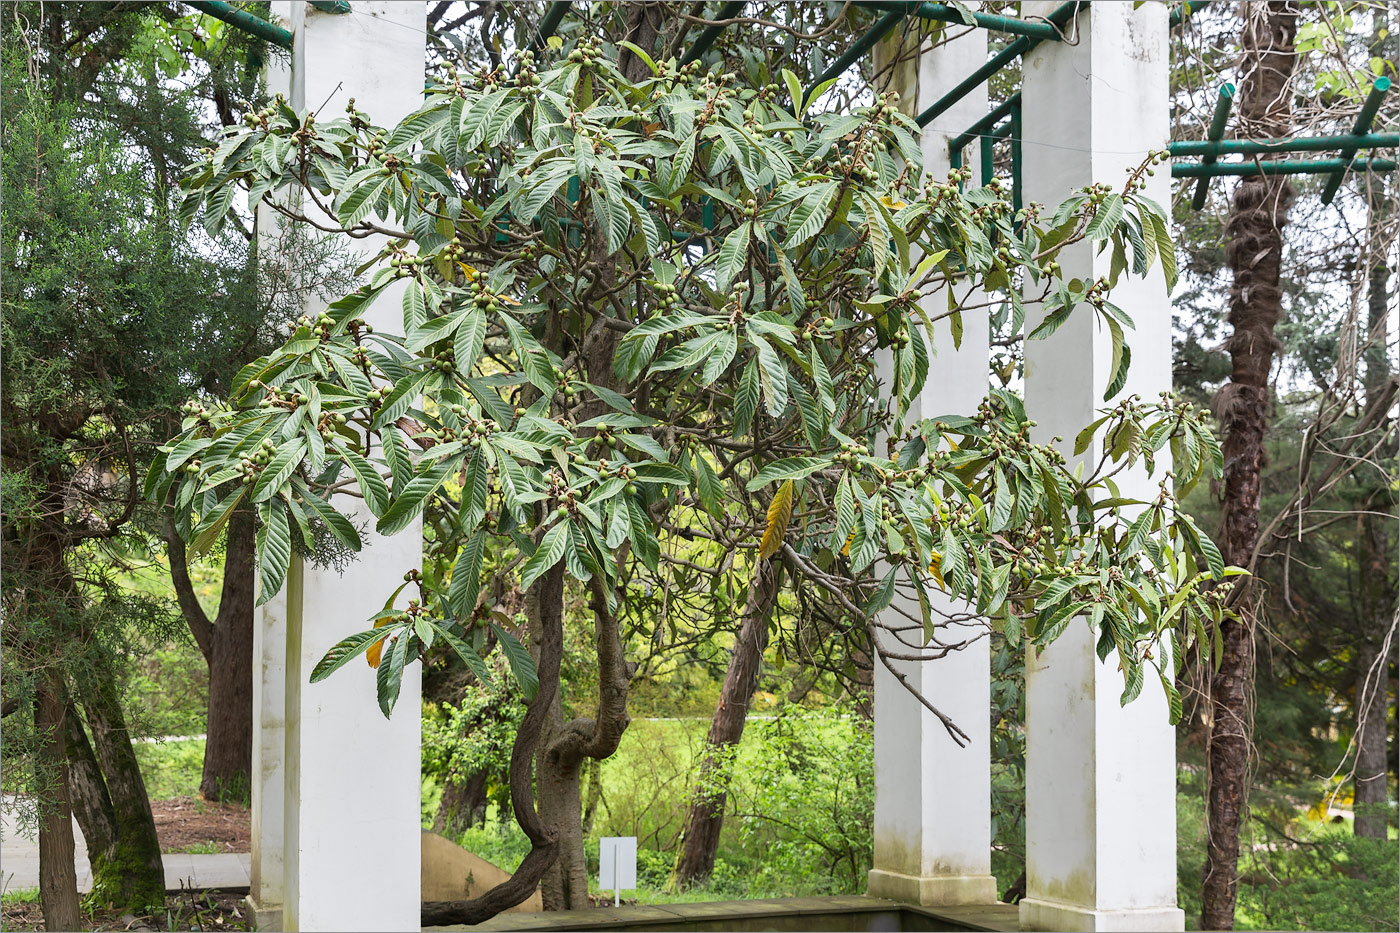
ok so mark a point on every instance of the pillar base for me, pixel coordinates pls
(1049, 915)
(932, 890)
(265, 917)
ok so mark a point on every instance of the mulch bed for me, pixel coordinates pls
(189, 821)
(184, 911)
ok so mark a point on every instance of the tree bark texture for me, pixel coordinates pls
(88, 789)
(134, 878)
(1375, 554)
(463, 805)
(1254, 229)
(58, 880)
(545, 607)
(227, 646)
(563, 750)
(705, 819)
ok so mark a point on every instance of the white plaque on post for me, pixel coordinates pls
(617, 865)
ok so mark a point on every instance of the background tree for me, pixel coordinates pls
(1259, 211)
(102, 299)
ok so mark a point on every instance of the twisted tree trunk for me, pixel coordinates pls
(1257, 215)
(705, 819)
(545, 607)
(565, 747)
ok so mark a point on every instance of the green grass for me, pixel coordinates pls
(201, 848)
(171, 769)
(20, 896)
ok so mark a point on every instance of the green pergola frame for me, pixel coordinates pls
(1004, 120)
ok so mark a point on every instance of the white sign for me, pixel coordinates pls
(617, 864)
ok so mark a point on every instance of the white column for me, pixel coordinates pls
(932, 798)
(1100, 779)
(344, 816)
(265, 875)
(265, 892)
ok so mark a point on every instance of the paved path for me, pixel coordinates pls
(19, 862)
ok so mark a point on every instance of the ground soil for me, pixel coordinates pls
(185, 822)
(184, 911)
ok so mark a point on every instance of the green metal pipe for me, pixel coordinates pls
(244, 21)
(1062, 14)
(552, 17)
(1206, 148)
(1180, 13)
(1016, 154)
(1223, 102)
(1316, 167)
(947, 14)
(993, 117)
(872, 35)
(711, 33)
(1359, 128)
(988, 148)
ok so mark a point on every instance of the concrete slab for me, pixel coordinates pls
(855, 912)
(19, 863)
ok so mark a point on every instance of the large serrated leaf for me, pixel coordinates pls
(274, 547)
(549, 553)
(779, 514)
(521, 664)
(346, 650)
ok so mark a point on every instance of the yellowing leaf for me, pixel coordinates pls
(846, 550)
(377, 649)
(469, 272)
(892, 203)
(779, 514)
(935, 568)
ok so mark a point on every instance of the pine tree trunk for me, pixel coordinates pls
(91, 803)
(1257, 215)
(1372, 680)
(58, 878)
(228, 744)
(1377, 571)
(134, 879)
(705, 819)
(227, 646)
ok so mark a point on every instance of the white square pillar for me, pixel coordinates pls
(932, 798)
(265, 890)
(1100, 778)
(336, 813)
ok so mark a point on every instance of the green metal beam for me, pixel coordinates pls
(1187, 9)
(993, 117)
(1061, 15)
(244, 21)
(858, 48)
(1266, 146)
(1317, 167)
(1016, 154)
(711, 33)
(552, 17)
(1359, 128)
(1223, 101)
(945, 13)
(331, 6)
